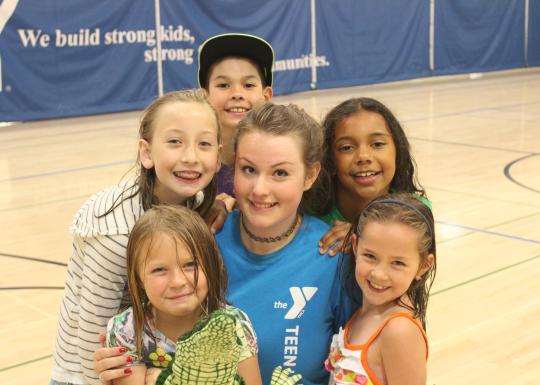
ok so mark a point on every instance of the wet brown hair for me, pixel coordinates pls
(187, 228)
(410, 211)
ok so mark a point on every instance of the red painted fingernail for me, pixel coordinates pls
(129, 360)
(122, 350)
(127, 370)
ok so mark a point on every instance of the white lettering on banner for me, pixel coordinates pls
(168, 34)
(7, 7)
(83, 38)
(290, 350)
(305, 61)
(170, 54)
(32, 38)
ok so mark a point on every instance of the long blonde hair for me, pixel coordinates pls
(146, 178)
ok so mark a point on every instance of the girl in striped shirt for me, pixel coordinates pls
(178, 157)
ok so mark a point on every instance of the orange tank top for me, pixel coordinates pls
(348, 364)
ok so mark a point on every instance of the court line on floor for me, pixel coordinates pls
(67, 171)
(25, 363)
(466, 112)
(511, 178)
(31, 287)
(30, 176)
(481, 196)
(484, 275)
(49, 261)
(432, 294)
(528, 153)
(489, 227)
(81, 198)
(495, 233)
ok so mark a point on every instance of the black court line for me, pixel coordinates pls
(484, 275)
(31, 288)
(529, 153)
(466, 112)
(48, 261)
(70, 131)
(25, 363)
(33, 259)
(81, 198)
(487, 228)
(511, 178)
(66, 171)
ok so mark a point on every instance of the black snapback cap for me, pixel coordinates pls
(236, 44)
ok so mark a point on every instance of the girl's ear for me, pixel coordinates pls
(311, 175)
(144, 154)
(426, 266)
(354, 243)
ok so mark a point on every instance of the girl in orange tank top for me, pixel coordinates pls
(394, 264)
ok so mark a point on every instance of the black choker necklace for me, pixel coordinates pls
(270, 239)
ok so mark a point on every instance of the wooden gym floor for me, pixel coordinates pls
(477, 146)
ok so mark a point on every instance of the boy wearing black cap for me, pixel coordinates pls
(236, 72)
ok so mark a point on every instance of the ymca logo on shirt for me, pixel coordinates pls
(300, 297)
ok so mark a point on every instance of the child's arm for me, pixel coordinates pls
(249, 370)
(335, 236)
(403, 351)
(99, 277)
(216, 216)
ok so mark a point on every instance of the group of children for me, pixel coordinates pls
(182, 306)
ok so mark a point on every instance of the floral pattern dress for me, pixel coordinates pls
(157, 349)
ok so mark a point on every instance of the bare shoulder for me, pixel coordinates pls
(401, 330)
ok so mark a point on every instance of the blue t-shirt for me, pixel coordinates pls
(293, 297)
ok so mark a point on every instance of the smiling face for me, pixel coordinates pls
(387, 261)
(168, 277)
(270, 178)
(184, 150)
(365, 159)
(234, 88)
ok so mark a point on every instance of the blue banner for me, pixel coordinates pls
(77, 57)
(284, 24)
(533, 44)
(372, 41)
(64, 58)
(479, 35)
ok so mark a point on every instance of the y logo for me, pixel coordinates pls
(300, 297)
(6, 10)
